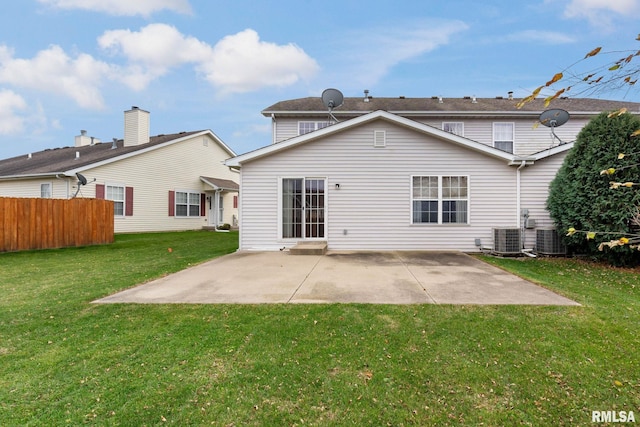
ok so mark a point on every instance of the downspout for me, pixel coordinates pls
(273, 128)
(521, 224)
(522, 165)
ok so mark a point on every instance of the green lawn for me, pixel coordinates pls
(65, 361)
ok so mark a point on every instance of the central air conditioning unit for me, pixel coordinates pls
(506, 241)
(549, 242)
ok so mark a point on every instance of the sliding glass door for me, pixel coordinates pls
(303, 207)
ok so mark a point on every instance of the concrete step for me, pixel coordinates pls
(309, 248)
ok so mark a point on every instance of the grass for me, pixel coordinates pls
(65, 361)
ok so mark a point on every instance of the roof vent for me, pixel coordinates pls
(474, 100)
(440, 100)
(401, 96)
(366, 95)
(114, 144)
(77, 154)
(499, 97)
(510, 93)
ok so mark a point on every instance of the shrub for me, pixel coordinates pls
(581, 197)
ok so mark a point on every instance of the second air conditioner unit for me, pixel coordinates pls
(506, 241)
(549, 242)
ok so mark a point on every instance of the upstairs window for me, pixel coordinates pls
(306, 127)
(456, 128)
(503, 136)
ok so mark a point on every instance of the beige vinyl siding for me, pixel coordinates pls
(61, 188)
(373, 204)
(153, 174)
(534, 182)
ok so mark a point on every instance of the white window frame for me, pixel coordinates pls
(108, 195)
(441, 199)
(458, 125)
(49, 191)
(502, 140)
(189, 204)
(311, 126)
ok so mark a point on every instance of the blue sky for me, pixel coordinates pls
(67, 65)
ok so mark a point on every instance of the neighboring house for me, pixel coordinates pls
(158, 183)
(404, 173)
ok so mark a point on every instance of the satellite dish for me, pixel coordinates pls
(554, 117)
(332, 98)
(81, 179)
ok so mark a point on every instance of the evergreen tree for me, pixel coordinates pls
(583, 196)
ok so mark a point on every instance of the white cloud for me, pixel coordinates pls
(601, 12)
(152, 51)
(122, 7)
(372, 53)
(243, 63)
(10, 104)
(549, 37)
(53, 71)
(237, 63)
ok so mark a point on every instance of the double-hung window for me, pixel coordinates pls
(306, 127)
(503, 136)
(116, 193)
(187, 203)
(440, 199)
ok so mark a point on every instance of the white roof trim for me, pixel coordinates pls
(379, 114)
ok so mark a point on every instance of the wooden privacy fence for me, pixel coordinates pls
(27, 223)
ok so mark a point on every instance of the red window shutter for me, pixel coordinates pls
(172, 203)
(99, 191)
(128, 201)
(203, 208)
(235, 202)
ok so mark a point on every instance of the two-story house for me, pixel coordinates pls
(406, 173)
(157, 183)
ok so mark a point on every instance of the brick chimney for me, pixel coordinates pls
(136, 127)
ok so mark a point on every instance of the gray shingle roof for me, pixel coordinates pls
(59, 160)
(225, 184)
(433, 106)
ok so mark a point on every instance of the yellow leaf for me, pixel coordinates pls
(635, 133)
(571, 231)
(609, 171)
(595, 51)
(628, 184)
(614, 67)
(621, 155)
(624, 240)
(554, 79)
(617, 113)
(591, 235)
(617, 383)
(615, 185)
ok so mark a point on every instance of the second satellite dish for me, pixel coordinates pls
(554, 117)
(332, 98)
